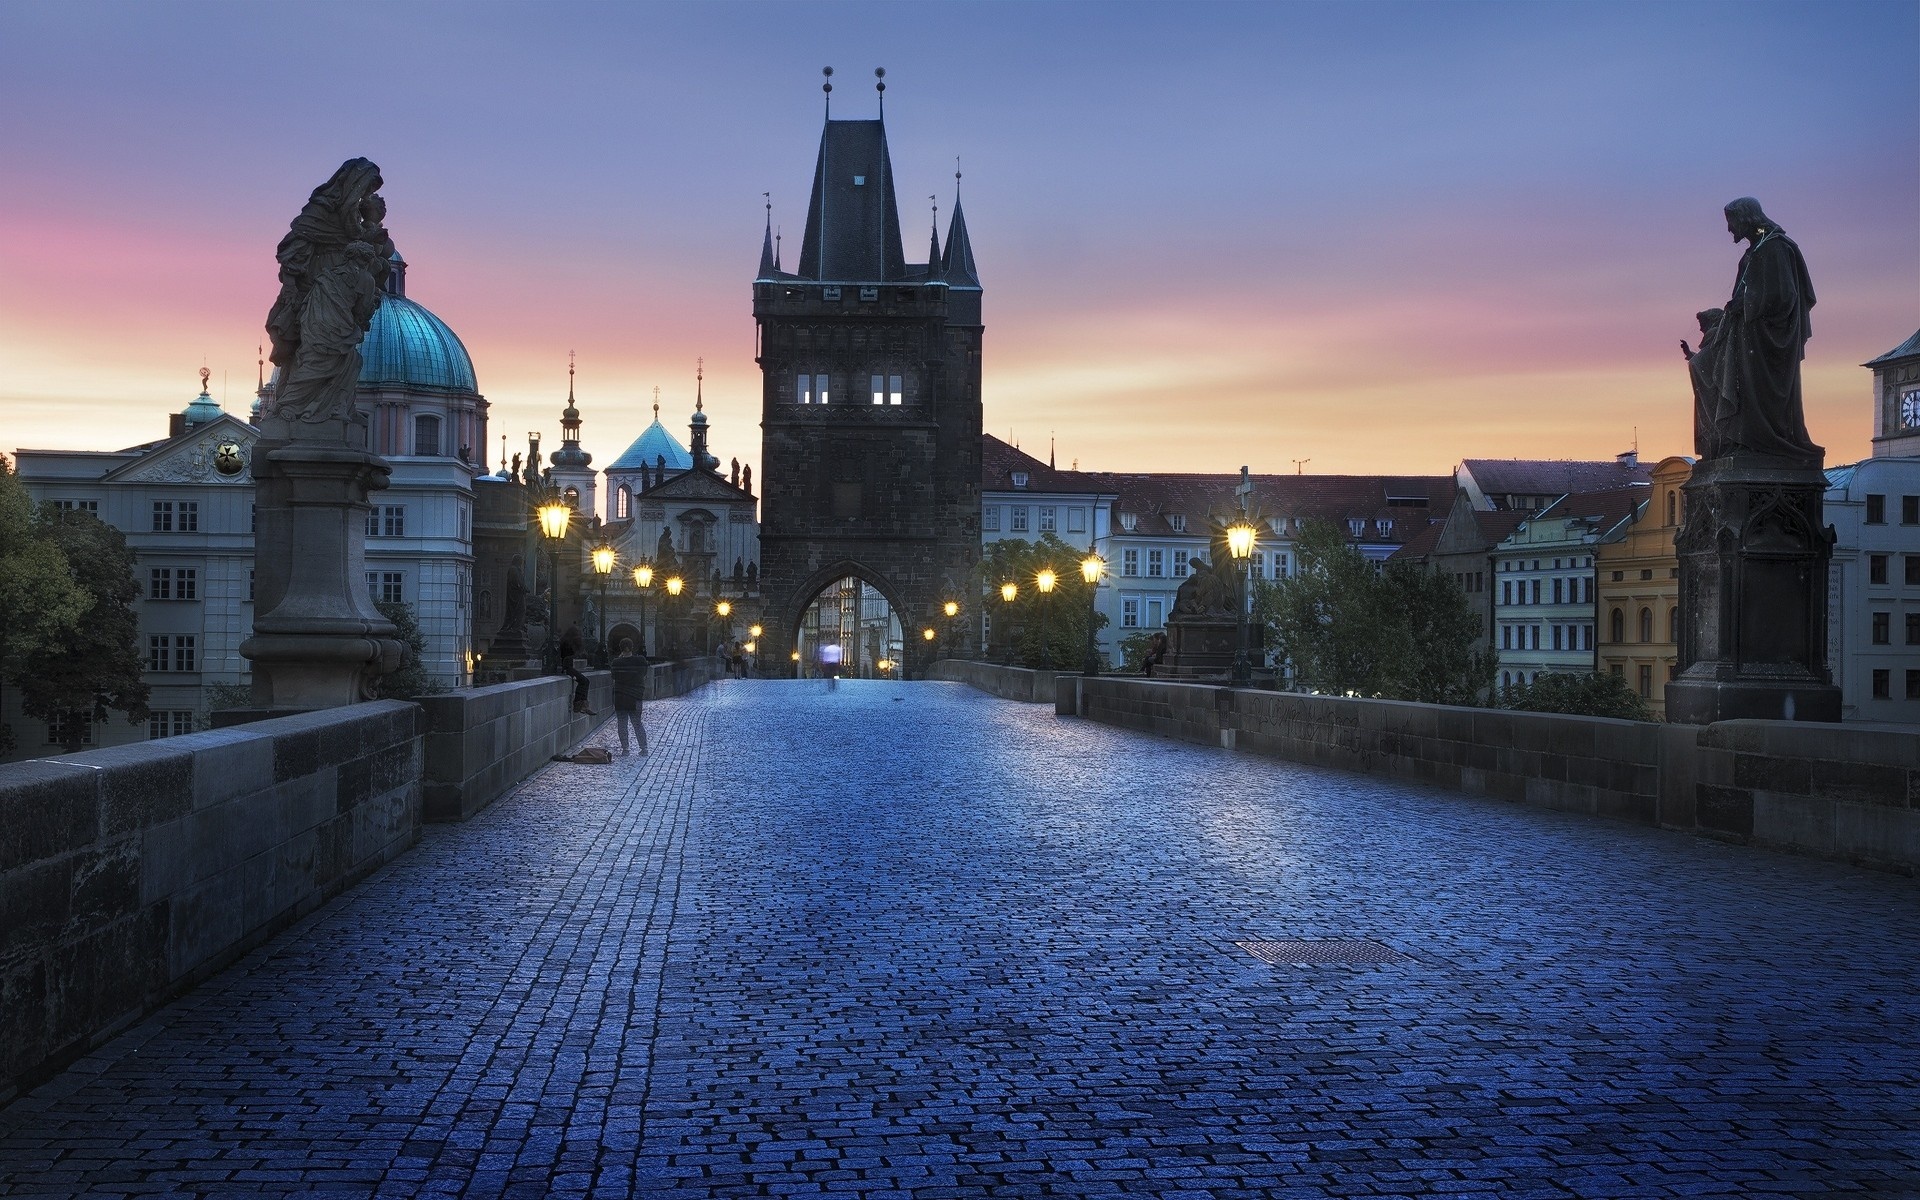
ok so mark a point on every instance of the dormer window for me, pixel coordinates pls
(1356, 525)
(859, 181)
(1020, 479)
(1384, 525)
(1129, 520)
(1177, 522)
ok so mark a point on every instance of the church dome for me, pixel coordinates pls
(652, 445)
(407, 346)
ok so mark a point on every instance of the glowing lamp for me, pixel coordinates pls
(674, 585)
(603, 557)
(1240, 539)
(554, 515)
(643, 576)
(754, 631)
(1045, 580)
(1008, 591)
(927, 634)
(951, 608)
(1091, 568)
(724, 608)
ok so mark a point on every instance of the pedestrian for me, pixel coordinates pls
(1156, 652)
(570, 650)
(830, 664)
(629, 691)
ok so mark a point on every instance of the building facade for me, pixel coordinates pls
(1544, 602)
(1638, 605)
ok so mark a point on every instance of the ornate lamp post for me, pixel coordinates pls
(603, 559)
(1009, 592)
(722, 610)
(643, 580)
(554, 514)
(675, 585)
(1091, 568)
(1045, 581)
(1240, 540)
(952, 609)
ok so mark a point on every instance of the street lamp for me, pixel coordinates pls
(643, 580)
(603, 558)
(1045, 581)
(554, 514)
(674, 585)
(952, 609)
(1009, 592)
(722, 610)
(1240, 540)
(1091, 568)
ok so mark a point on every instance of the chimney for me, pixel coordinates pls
(176, 424)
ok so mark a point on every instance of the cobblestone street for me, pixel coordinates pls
(907, 940)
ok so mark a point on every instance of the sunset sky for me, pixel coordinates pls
(1380, 237)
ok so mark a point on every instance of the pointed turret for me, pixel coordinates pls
(769, 265)
(935, 271)
(702, 461)
(957, 264)
(853, 222)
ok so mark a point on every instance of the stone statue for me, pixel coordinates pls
(736, 472)
(516, 466)
(1702, 368)
(663, 555)
(333, 262)
(739, 570)
(746, 479)
(659, 467)
(1752, 360)
(753, 576)
(1207, 591)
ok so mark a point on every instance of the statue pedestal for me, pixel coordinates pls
(1753, 550)
(1199, 647)
(318, 642)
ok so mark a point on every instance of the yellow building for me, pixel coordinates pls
(1638, 593)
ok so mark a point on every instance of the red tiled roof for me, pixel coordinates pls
(999, 461)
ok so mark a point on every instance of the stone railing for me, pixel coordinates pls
(129, 874)
(1848, 792)
(1008, 683)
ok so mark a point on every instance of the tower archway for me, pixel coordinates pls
(848, 618)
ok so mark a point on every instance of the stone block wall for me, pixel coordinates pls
(482, 741)
(1846, 792)
(128, 874)
(1008, 683)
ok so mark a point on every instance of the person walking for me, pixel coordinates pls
(629, 691)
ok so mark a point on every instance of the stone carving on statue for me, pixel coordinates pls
(516, 466)
(1746, 373)
(1207, 591)
(333, 262)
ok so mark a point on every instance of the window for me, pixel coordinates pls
(1618, 669)
(426, 435)
(1913, 685)
(93, 506)
(1049, 519)
(1177, 522)
(1589, 630)
(1019, 514)
(1556, 638)
(1076, 520)
(1646, 681)
(1156, 563)
(388, 587)
(1259, 564)
(1356, 525)
(1179, 564)
(1912, 568)
(1506, 637)
(1506, 591)
(172, 652)
(1557, 585)
(387, 520)
(1876, 510)
(173, 583)
(1913, 629)
(886, 389)
(990, 518)
(1281, 567)
(1536, 591)
(169, 722)
(253, 518)
(1909, 510)
(176, 516)
(571, 496)
(810, 389)
(622, 503)
(1646, 624)
(1383, 526)
(1617, 626)
(1619, 575)
(1647, 573)
(70, 729)
(1882, 628)
(1129, 562)
(249, 585)
(1876, 568)
(1672, 505)
(1673, 624)
(1130, 613)
(1533, 636)
(1883, 684)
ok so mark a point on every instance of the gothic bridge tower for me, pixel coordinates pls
(870, 403)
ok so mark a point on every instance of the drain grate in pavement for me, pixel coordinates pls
(1325, 950)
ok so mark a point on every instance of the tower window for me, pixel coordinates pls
(426, 435)
(622, 503)
(886, 389)
(1876, 510)
(810, 389)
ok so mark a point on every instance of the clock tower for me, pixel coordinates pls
(1896, 394)
(870, 402)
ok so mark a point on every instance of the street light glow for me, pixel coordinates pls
(754, 631)
(674, 585)
(643, 576)
(1045, 580)
(1091, 568)
(554, 515)
(724, 608)
(1240, 539)
(927, 634)
(1008, 591)
(951, 608)
(603, 557)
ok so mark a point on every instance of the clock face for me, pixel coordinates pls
(1910, 409)
(227, 458)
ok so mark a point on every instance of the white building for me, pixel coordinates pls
(1543, 583)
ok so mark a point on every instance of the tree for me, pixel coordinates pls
(1065, 612)
(1597, 695)
(1399, 632)
(1334, 619)
(38, 593)
(1133, 651)
(412, 679)
(96, 665)
(1449, 661)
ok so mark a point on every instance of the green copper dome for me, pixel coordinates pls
(407, 346)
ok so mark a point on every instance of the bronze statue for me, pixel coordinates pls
(333, 263)
(1751, 368)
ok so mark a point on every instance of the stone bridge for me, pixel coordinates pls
(912, 940)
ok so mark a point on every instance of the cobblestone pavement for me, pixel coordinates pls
(911, 941)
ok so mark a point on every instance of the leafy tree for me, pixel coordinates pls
(96, 666)
(412, 679)
(38, 593)
(1449, 661)
(1065, 612)
(1399, 632)
(1597, 695)
(1133, 650)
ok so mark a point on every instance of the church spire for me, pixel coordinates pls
(768, 266)
(958, 261)
(935, 271)
(570, 454)
(702, 461)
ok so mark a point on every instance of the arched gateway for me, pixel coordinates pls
(870, 405)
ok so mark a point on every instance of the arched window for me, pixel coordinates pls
(622, 503)
(572, 497)
(1646, 624)
(1506, 681)
(426, 435)
(1617, 626)
(1673, 506)
(1673, 625)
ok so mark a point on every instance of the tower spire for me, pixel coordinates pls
(958, 259)
(767, 263)
(827, 87)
